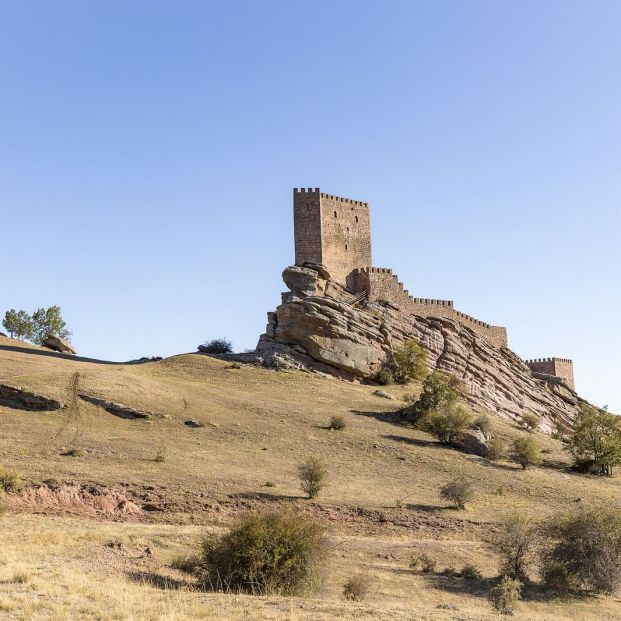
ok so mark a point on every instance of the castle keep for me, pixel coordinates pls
(336, 232)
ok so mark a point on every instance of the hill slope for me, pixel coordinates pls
(78, 533)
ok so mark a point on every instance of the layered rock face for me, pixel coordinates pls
(321, 326)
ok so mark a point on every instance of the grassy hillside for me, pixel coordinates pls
(92, 536)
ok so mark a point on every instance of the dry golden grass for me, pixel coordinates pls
(259, 425)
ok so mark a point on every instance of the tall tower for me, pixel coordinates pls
(331, 230)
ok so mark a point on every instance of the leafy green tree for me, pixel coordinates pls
(526, 452)
(440, 391)
(596, 439)
(48, 321)
(18, 323)
(409, 362)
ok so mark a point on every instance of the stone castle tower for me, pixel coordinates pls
(336, 232)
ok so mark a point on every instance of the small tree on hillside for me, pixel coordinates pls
(458, 491)
(48, 321)
(409, 362)
(596, 439)
(448, 424)
(514, 542)
(439, 391)
(218, 346)
(525, 451)
(18, 323)
(313, 476)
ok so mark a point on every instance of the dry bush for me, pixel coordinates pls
(459, 491)
(505, 595)
(266, 553)
(337, 423)
(470, 572)
(530, 422)
(484, 424)
(421, 562)
(496, 450)
(313, 476)
(514, 543)
(161, 454)
(188, 563)
(218, 346)
(357, 587)
(10, 480)
(587, 544)
(447, 424)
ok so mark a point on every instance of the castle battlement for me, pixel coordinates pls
(563, 368)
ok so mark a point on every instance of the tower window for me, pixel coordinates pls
(335, 214)
(356, 218)
(345, 246)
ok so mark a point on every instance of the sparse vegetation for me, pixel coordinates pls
(483, 423)
(409, 362)
(313, 476)
(439, 391)
(74, 452)
(357, 587)
(470, 572)
(218, 346)
(583, 549)
(384, 377)
(447, 424)
(10, 480)
(421, 562)
(496, 450)
(514, 543)
(337, 423)
(525, 452)
(505, 595)
(530, 422)
(161, 454)
(459, 491)
(266, 553)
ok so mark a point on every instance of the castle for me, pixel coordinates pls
(336, 232)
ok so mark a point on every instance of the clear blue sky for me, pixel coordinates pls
(148, 150)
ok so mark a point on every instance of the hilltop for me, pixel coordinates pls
(94, 534)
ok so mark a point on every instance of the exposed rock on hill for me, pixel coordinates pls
(55, 343)
(15, 397)
(320, 326)
(118, 409)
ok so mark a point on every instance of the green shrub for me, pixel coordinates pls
(525, 451)
(447, 424)
(313, 476)
(505, 595)
(409, 362)
(337, 423)
(514, 543)
(496, 450)
(556, 578)
(459, 491)
(266, 553)
(587, 544)
(217, 346)
(10, 480)
(357, 587)
(439, 391)
(421, 562)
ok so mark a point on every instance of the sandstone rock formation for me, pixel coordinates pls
(118, 409)
(320, 326)
(16, 397)
(55, 343)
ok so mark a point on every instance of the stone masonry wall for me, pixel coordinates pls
(307, 226)
(559, 367)
(384, 286)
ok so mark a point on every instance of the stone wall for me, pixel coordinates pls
(562, 368)
(331, 230)
(384, 286)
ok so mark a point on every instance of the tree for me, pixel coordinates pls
(439, 391)
(596, 439)
(584, 547)
(313, 476)
(409, 362)
(526, 452)
(458, 491)
(514, 542)
(48, 321)
(448, 423)
(18, 323)
(217, 346)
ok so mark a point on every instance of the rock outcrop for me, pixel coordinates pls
(16, 397)
(55, 343)
(320, 326)
(117, 409)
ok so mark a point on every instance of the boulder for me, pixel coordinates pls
(472, 442)
(304, 281)
(118, 409)
(16, 397)
(55, 343)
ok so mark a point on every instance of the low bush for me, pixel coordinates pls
(384, 377)
(218, 346)
(439, 391)
(448, 424)
(505, 595)
(525, 452)
(409, 362)
(470, 572)
(483, 423)
(496, 450)
(530, 422)
(337, 423)
(357, 587)
(459, 491)
(266, 553)
(556, 578)
(421, 562)
(10, 480)
(313, 476)
(161, 454)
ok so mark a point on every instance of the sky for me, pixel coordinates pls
(148, 152)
